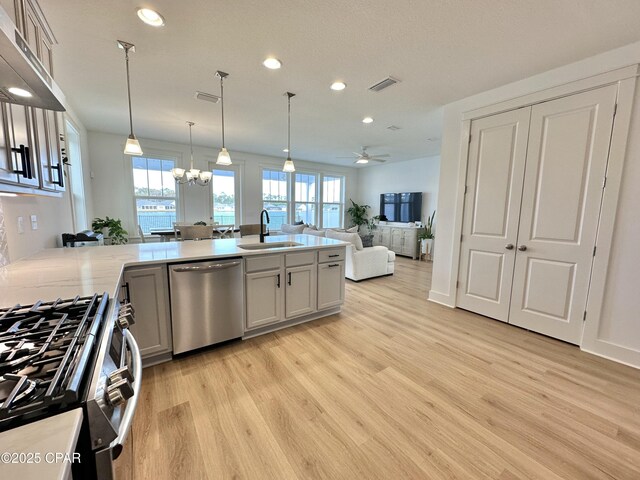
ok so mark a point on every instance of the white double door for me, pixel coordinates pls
(534, 188)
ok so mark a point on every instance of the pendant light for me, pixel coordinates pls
(223, 157)
(132, 146)
(288, 164)
(193, 176)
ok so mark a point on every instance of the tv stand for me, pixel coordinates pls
(398, 237)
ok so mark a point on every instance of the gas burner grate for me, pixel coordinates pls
(45, 349)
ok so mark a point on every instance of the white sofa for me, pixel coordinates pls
(369, 262)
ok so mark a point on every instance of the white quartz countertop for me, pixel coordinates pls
(67, 272)
(42, 449)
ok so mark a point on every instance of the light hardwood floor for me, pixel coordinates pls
(393, 387)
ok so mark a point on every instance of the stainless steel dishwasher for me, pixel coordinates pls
(207, 303)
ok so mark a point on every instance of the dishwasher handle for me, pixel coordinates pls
(214, 266)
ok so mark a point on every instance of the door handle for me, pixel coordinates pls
(509, 246)
(522, 248)
(289, 280)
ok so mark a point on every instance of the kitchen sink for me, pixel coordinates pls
(267, 246)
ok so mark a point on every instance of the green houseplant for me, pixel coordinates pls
(115, 232)
(358, 214)
(427, 235)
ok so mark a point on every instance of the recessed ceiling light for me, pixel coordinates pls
(285, 150)
(272, 63)
(20, 92)
(367, 120)
(337, 86)
(150, 17)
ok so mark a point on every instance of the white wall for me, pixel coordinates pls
(618, 323)
(113, 189)
(419, 175)
(54, 214)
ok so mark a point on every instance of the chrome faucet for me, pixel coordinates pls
(262, 234)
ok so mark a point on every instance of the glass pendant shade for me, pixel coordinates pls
(132, 146)
(288, 166)
(177, 173)
(223, 157)
(206, 176)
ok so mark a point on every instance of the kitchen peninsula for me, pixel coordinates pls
(139, 273)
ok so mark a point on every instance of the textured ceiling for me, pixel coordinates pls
(442, 50)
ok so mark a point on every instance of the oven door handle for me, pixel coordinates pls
(127, 417)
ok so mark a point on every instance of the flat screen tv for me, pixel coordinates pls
(401, 207)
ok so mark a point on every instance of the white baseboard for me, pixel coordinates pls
(441, 298)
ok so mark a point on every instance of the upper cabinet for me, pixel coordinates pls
(31, 139)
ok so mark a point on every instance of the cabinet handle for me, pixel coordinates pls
(24, 171)
(27, 160)
(278, 284)
(289, 280)
(60, 181)
(331, 265)
(333, 256)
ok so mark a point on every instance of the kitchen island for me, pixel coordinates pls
(138, 273)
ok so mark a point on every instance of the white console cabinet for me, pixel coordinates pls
(398, 237)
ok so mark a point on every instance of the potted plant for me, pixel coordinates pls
(427, 235)
(113, 226)
(358, 214)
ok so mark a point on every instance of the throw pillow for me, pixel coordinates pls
(299, 223)
(352, 238)
(313, 231)
(292, 229)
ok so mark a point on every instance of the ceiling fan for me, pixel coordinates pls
(363, 157)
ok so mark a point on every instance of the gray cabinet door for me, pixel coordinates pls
(7, 174)
(20, 138)
(149, 295)
(41, 154)
(300, 297)
(330, 284)
(264, 295)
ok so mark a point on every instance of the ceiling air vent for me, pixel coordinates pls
(207, 97)
(393, 127)
(387, 82)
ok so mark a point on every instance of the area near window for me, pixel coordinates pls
(306, 198)
(154, 192)
(332, 201)
(225, 196)
(275, 196)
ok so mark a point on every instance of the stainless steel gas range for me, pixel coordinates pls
(60, 355)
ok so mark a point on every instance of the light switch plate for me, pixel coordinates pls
(34, 222)
(20, 224)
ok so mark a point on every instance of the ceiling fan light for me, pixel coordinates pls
(132, 147)
(288, 166)
(362, 161)
(223, 157)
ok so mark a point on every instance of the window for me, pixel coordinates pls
(225, 196)
(332, 201)
(76, 182)
(275, 196)
(155, 193)
(306, 197)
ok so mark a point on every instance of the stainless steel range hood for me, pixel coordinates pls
(20, 68)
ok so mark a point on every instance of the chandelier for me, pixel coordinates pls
(193, 176)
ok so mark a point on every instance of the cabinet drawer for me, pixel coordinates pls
(331, 255)
(302, 258)
(262, 262)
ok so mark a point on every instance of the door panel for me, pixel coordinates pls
(41, 153)
(300, 296)
(566, 164)
(264, 292)
(19, 134)
(495, 171)
(7, 173)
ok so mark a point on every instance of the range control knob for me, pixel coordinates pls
(119, 374)
(118, 392)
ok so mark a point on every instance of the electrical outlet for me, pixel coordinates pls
(20, 225)
(34, 222)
